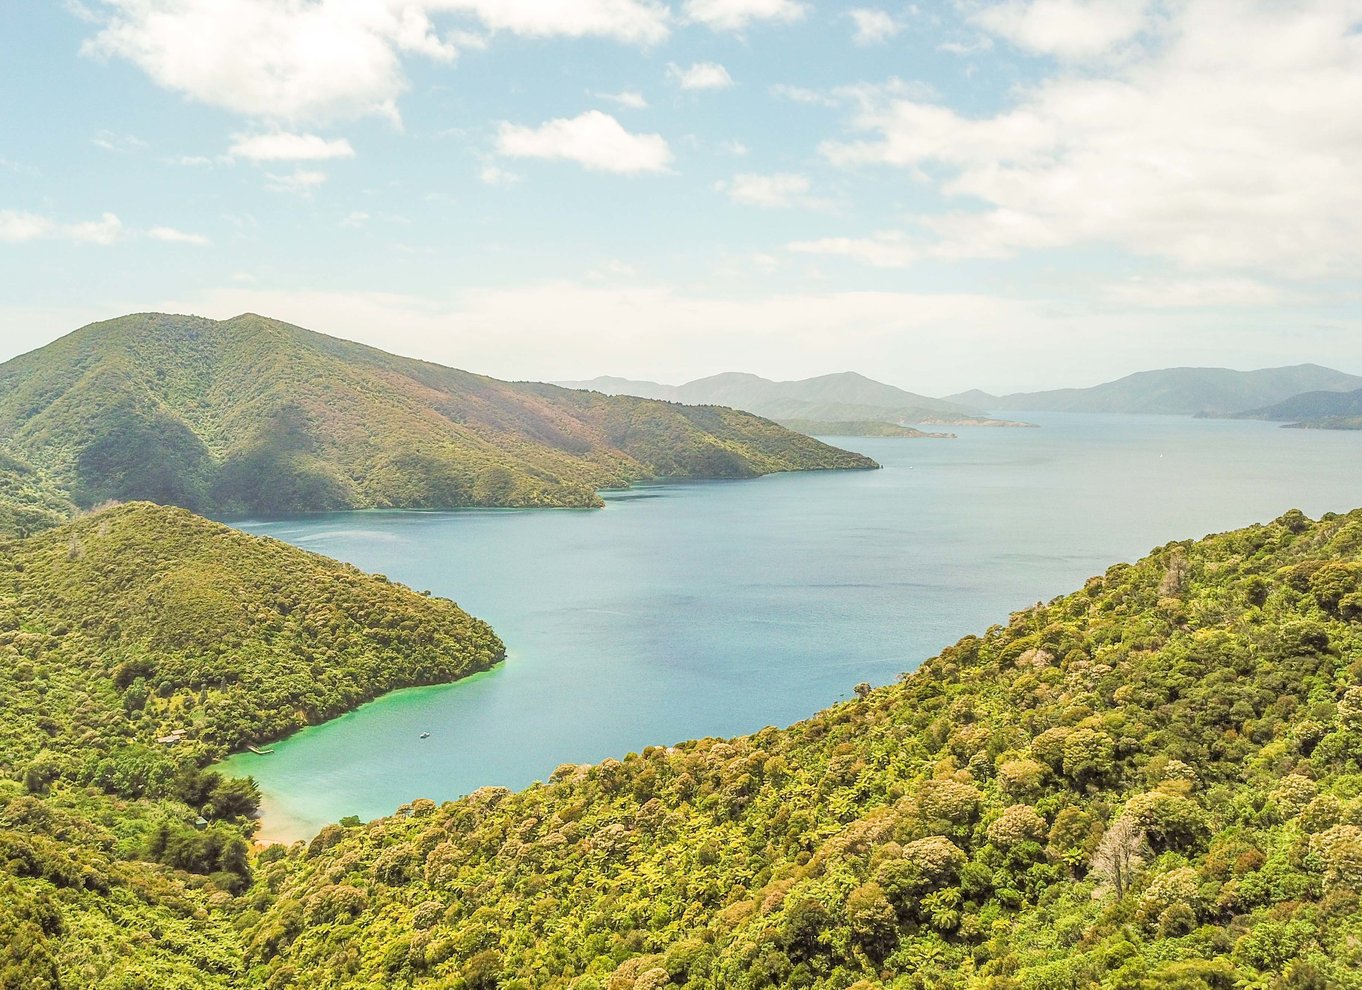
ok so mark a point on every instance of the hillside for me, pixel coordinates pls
(1175, 391)
(29, 501)
(141, 623)
(860, 428)
(1153, 782)
(1320, 410)
(844, 397)
(254, 415)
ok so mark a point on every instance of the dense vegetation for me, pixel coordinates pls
(29, 501)
(1154, 782)
(1316, 410)
(254, 415)
(137, 645)
(1176, 391)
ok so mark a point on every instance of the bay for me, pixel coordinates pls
(696, 609)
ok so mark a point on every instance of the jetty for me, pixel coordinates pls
(260, 752)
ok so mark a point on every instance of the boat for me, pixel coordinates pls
(425, 735)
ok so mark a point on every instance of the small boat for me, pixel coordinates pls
(425, 735)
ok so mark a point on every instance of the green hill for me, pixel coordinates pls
(1316, 410)
(29, 501)
(138, 645)
(1153, 782)
(1176, 391)
(844, 397)
(254, 415)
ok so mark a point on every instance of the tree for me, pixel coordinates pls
(1122, 851)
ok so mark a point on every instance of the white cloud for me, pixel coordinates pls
(121, 143)
(355, 218)
(172, 236)
(593, 140)
(330, 59)
(302, 182)
(802, 94)
(873, 27)
(1066, 28)
(1195, 293)
(780, 189)
(630, 99)
(1225, 146)
(734, 15)
(281, 146)
(494, 175)
(889, 249)
(701, 75)
(17, 226)
(108, 229)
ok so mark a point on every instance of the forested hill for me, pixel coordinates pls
(143, 623)
(1176, 391)
(254, 415)
(1319, 410)
(1154, 782)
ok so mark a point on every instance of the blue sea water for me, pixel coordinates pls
(698, 609)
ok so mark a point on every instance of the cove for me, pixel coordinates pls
(687, 610)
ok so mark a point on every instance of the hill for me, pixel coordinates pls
(844, 397)
(254, 415)
(29, 501)
(1153, 782)
(1176, 391)
(1320, 410)
(861, 428)
(137, 645)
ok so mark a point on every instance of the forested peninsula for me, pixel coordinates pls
(251, 415)
(1155, 781)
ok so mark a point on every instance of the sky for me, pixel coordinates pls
(1011, 194)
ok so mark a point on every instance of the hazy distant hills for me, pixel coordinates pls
(838, 398)
(255, 415)
(1175, 391)
(1322, 410)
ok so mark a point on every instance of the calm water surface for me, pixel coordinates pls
(699, 609)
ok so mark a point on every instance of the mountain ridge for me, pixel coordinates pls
(1174, 391)
(256, 415)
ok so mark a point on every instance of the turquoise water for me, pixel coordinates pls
(686, 610)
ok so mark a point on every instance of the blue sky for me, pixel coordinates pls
(1015, 194)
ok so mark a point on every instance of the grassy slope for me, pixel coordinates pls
(116, 629)
(939, 833)
(255, 415)
(29, 501)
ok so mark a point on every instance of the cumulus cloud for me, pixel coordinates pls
(734, 15)
(301, 181)
(873, 26)
(889, 249)
(594, 140)
(330, 59)
(701, 75)
(780, 189)
(173, 236)
(1065, 28)
(18, 227)
(630, 99)
(1222, 146)
(281, 146)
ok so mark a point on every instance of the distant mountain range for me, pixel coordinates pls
(1174, 391)
(1318, 410)
(838, 398)
(254, 415)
